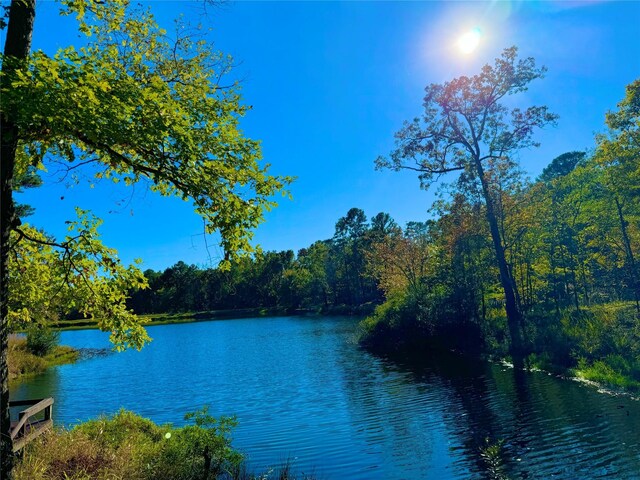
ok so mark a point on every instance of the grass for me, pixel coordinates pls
(183, 317)
(23, 363)
(129, 447)
(609, 374)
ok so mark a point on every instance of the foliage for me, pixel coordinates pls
(400, 262)
(492, 455)
(133, 104)
(129, 447)
(48, 279)
(42, 340)
(568, 244)
(554, 260)
(327, 274)
(203, 446)
(614, 372)
(22, 362)
(429, 318)
(467, 128)
(141, 105)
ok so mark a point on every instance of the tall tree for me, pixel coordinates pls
(136, 105)
(16, 50)
(466, 128)
(619, 153)
(349, 241)
(561, 166)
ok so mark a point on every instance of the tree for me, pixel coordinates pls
(348, 244)
(49, 278)
(382, 226)
(619, 153)
(466, 128)
(132, 105)
(561, 166)
(400, 262)
(313, 261)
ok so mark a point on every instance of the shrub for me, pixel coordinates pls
(129, 447)
(201, 450)
(430, 317)
(41, 340)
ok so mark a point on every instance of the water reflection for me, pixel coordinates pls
(551, 428)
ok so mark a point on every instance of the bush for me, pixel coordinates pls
(428, 318)
(22, 362)
(129, 447)
(42, 340)
(204, 446)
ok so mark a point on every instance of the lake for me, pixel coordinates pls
(302, 389)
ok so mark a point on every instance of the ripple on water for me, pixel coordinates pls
(302, 390)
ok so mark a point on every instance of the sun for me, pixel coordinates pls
(468, 42)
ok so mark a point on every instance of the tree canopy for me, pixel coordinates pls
(141, 104)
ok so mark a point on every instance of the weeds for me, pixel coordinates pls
(23, 362)
(492, 458)
(129, 447)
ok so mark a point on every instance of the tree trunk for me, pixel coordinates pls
(18, 44)
(207, 463)
(514, 319)
(631, 262)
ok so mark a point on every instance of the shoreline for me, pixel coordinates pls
(568, 374)
(151, 319)
(24, 364)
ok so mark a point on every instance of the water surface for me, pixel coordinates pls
(302, 389)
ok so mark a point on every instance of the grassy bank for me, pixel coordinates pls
(599, 343)
(129, 447)
(23, 363)
(182, 317)
(186, 317)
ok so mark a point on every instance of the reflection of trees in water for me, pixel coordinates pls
(549, 426)
(564, 429)
(401, 414)
(417, 419)
(468, 410)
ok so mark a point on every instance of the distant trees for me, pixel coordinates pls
(309, 276)
(350, 241)
(466, 128)
(328, 273)
(570, 240)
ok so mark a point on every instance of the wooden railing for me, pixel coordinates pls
(26, 428)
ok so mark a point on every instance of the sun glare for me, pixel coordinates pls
(468, 42)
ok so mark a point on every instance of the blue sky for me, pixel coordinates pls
(330, 83)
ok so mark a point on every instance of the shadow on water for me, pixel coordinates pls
(547, 427)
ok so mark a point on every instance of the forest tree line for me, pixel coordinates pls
(571, 238)
(329, 273)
